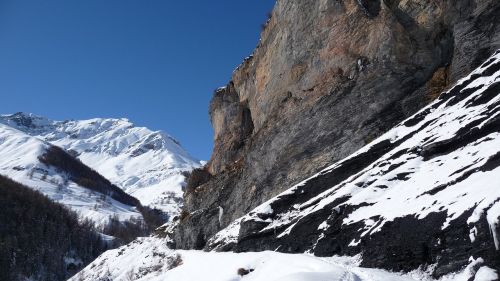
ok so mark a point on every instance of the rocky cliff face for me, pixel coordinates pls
(328, 77)
(424, 194)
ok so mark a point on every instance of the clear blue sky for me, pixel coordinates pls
(155, 62)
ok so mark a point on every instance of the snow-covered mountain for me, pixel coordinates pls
(24, 159)
(149, 165)
(423, 198)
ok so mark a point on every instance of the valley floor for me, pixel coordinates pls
(150, 259)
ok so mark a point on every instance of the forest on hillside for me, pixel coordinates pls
(41, 239)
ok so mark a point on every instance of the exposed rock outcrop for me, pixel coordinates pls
(328, 77)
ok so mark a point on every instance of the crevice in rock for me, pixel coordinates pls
(371, 8)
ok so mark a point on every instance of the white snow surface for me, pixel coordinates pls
(19, 154)
(148, 165)
(407, 184)
(149, 259)
(486, 274)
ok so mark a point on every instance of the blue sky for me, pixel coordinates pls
(155, 62)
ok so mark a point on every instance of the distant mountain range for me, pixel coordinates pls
(148, 165)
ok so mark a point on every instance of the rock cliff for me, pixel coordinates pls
(425, 194)
(327, 77)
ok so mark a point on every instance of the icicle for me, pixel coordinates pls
(221, 212)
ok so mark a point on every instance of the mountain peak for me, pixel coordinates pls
(24, 120)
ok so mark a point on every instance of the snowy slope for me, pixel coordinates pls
(149, 259)
(19, 160)
(426, 192)
(147, 164)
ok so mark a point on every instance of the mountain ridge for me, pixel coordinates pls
(150, 165)
(29, 161)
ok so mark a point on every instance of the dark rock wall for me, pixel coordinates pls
(327, 77)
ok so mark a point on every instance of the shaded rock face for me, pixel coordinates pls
(328, 77)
